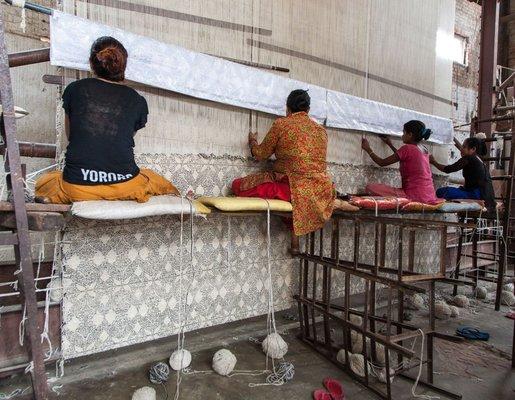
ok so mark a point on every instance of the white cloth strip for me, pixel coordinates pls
(206, 77)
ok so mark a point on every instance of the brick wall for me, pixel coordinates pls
(465, 78)
(37, 25)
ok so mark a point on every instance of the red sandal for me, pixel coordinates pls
(321, 394)
(335, 389)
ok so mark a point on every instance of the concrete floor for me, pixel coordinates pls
(477, 370)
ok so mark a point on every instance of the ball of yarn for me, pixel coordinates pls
(357, 364)
(56, 289)
(284, 372)
(223, 362)
(455, 311)
(382, 375)
(274, 346)
(380, 354)
(508, 287)
(461, 301)
(480, 292)
(180, 359)
(159, 373)
(356, 319)
(414, 302)
(356, 341)
(340, 356)
(480, 135)
(442, 310)
(144, 393)
(507, 298)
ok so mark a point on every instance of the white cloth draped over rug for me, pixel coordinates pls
(211, 78)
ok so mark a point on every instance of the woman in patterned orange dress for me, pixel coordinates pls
(299, 173)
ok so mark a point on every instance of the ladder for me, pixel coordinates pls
(18, 218)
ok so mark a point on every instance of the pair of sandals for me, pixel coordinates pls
(334, 391)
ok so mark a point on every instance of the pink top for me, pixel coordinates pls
(417, 179)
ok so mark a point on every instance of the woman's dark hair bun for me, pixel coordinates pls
(298, 100)
(108, 59)
(418, 130)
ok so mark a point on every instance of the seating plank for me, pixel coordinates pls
(6, 206)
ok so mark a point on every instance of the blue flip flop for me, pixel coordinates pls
(472, 333)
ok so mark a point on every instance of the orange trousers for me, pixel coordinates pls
(140, 188)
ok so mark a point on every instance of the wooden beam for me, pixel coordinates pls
(38, 221)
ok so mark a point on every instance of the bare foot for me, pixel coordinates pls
(40, 199)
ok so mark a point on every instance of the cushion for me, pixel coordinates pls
(344, 205)
(416, 206)
(236, 204)
(379, 203)
(117, 209)
(454, 207)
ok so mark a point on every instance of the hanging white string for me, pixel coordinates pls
(183, 301)
(414, 387)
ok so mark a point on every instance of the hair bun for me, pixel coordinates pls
(427, 133)
(480, 135)
(111, 58)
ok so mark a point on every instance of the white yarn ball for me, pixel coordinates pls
(455, 311)
(461, 301)
(480, 135)
(414, 302)
(357, 364)
(274, 346)
(180, 359)
(382, 375)
(356, 340)
(144, 393)
(340, 356)
(56, 289)
(380, 354)
(480, 292)
(507, 298)
(442, 310)
(508, 287)
(223, 362)
(356, 319)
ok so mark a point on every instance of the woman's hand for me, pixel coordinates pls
(253, 138)
(386, 139)
(365, 145)
(431, 159)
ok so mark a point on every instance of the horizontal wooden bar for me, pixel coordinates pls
(420, 278)
(7, 239)
(29, 57)
(6, 206)
(38, 221)
(35, 150)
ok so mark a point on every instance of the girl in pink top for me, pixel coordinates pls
(417, 179)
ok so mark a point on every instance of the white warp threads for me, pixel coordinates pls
(21, 4)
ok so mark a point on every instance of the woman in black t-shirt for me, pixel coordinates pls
(478, 183)
(102, 117)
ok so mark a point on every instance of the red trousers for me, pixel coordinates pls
(267, 190)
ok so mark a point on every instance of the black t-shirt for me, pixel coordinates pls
(103, 120)
(476, 176)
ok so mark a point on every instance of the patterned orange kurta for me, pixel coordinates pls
(300, 146)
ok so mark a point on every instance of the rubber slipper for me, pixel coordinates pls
(335, 389)
(321, 394)
(472, 333)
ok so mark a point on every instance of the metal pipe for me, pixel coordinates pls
(29, 57)
(36, 150)
(505, 108)
(34, 7)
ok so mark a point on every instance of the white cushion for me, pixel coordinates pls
(117, 209)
